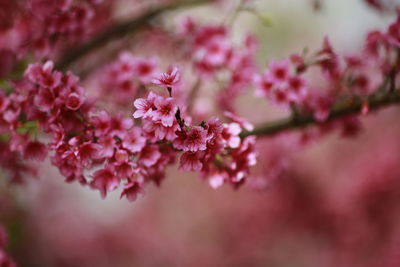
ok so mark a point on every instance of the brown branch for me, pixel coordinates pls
(120, 29)
(340, 110)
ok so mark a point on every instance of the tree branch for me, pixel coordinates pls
(340, 110)
(120, 29)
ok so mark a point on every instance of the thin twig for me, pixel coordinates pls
(120, 29)
(393, 73)
(193, 94)
(340, 110)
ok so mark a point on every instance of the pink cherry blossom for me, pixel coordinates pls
(215, 52)
(297, 89)
(132, 190)
(168, 79)
(125, 169)
(149, 155)
(133, 140)
(241, 121)
(145, 69)
(156, 131)
(44, 75)
(105, 181)
(190, 161)
(279, 70)
(120, 125)
(165, 111)
(74, 101)
(216, 180)
(35, 150)
(121, 156)
(196, 139)
(214, 128)
(264, 84)
(102, 123)
(88, 151)
(108, 144)
(179, 141)
(230, 134)
(45, 100)
(145, 107)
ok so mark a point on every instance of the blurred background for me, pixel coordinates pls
(335, 202)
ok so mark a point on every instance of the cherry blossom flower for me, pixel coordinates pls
(133, 140)
(279, 70)
(105, 181)
(145, 69)
(101, 122)
(214, 128)
(179, 141)
(216, 180)
(45, 100)
(149, 155)
(44, 75)
(168, 79)
(119, 125)
(35, 150)
(230, 134)
(165, 110)
(265, 84)
(74, 101)
(196, 139)
(156, 131)
(190, 161)
(214, 53)
(241, 121)
(108, 144)
(297, 89)
(131, 191)
(145, 107)
(88, 151)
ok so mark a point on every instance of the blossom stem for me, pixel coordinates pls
(193, 94)
(340, 110)
(393, 73)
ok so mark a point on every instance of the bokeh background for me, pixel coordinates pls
(335, 202)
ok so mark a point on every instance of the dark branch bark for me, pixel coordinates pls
(340, 110)
(121, 29)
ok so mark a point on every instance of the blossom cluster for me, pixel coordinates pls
(90, 146)
(212, 148)
(46, 27)
(372, 71)
(214, 56)
(139, 118)
(106, 150)
(287, 82)
(125, 77)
